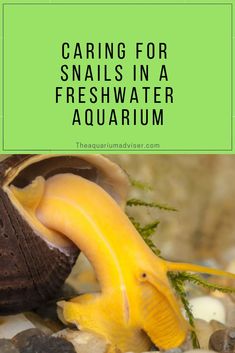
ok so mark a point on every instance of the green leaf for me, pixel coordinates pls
(137, 202)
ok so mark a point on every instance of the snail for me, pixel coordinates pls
(136, 304)
(32, 268)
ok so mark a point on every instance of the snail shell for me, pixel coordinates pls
(32, 270)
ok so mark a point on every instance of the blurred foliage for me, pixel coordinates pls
(140, 185)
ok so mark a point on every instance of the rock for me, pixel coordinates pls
(223, 341)
(83, 341)
(216, 325)
(6, 346)
(230, 310)
(46, 344)
(13, 324)
(208, 308)
(203, 332)
(21, 339)
(46, 325)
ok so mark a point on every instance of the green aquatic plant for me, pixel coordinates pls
(137, 202)
(146, 232)
(178, 283)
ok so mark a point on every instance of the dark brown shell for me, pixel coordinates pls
(31, 271)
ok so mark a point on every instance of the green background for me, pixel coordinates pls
(199, 64)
